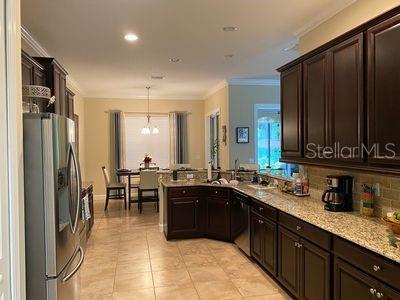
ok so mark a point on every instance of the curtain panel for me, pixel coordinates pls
(178, 138)
(117, 143)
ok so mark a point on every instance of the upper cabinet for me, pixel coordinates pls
(384, 91)
(291, 109)
(56, 77)
(346, 97)
(315, 90)
(349, 100)
(69, 104)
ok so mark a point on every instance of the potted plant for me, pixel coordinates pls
(147, 160)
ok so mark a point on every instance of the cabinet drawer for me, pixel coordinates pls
(218, 192)
(316, 235)
(183, 192)
(372, 264)
(265, 210)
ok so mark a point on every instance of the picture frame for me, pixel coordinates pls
(242, 135)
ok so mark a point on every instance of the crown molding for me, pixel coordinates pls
(28, 38)
(216, 88)
(260, 81)
(321, 18)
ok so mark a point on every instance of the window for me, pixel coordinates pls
(268, 138)
(137, 144)
(212, 137)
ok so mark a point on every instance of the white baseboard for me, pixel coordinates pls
(99, 197)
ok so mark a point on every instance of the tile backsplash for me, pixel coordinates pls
(389, 199)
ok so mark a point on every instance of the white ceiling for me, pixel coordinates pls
(87, 37)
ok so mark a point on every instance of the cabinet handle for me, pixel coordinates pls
(372, 291)
(299, 245)
(376, 268)
(184, 192)
(227, 203)
(260, 208)
(216, 192)
(260, 222)
(296, 244)
(379, 295)
(197, 201)
(298, 228)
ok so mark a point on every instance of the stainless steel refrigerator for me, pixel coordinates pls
(52, 207)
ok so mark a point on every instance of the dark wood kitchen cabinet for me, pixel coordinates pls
(303, 268)
(56, 80)
(264, 242)
(69, 101)
(384, 90)
(346, 97)
(186, 213)
(218, 218)
(185, 217)
(291, 112)
(32, 74)
(315, 99)
(289, 260)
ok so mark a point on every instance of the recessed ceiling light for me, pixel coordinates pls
(131, 37)
(228, 55)
(159, 77)
(230, 28)
(174, 59)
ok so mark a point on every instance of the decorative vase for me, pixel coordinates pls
(146, 165)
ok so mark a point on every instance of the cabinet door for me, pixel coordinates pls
(289, 261)
(256, 246)
(387, 293)
(315, 88)
(352, 284)
(383, 91)
(346, 99)
(269, 246)
(218, 220)
(58, 105)
(63, 95)
(183, 217)
(315, 269)
(291, 112)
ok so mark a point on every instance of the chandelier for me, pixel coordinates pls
(147, 128)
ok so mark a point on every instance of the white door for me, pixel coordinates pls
(4, 177)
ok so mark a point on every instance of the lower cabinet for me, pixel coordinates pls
(218, 218)
(304, 268)
(263, 242)
(184, 217)
(353, 284)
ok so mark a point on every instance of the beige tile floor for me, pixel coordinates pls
(128, 258)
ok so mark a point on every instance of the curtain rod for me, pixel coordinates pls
(145, 113)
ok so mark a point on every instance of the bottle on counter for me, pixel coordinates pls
(298, 187)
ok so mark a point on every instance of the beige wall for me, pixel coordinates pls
(352, 16)
(242, 99)
(219, 101)
(97, 130)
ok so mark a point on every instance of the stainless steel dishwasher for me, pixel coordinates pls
(240, 221)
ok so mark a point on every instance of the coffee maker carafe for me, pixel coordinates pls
(338, 196)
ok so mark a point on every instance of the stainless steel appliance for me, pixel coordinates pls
(338, 196)
(240, 221)
(52, 208)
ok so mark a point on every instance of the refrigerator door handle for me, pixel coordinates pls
(79, 186)
(72, 273)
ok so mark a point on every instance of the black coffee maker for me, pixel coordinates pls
(338, 196)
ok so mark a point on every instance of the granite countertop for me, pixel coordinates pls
(369, 233)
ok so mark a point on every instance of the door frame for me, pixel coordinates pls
(12, 143)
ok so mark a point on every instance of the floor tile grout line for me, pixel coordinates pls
(151, 267)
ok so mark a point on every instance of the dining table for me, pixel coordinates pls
(130, 173)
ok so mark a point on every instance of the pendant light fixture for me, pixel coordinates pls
(147, 128)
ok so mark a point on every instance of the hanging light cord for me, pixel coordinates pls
(148, 105)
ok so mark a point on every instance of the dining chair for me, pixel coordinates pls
(148, 183)
(119, 188)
